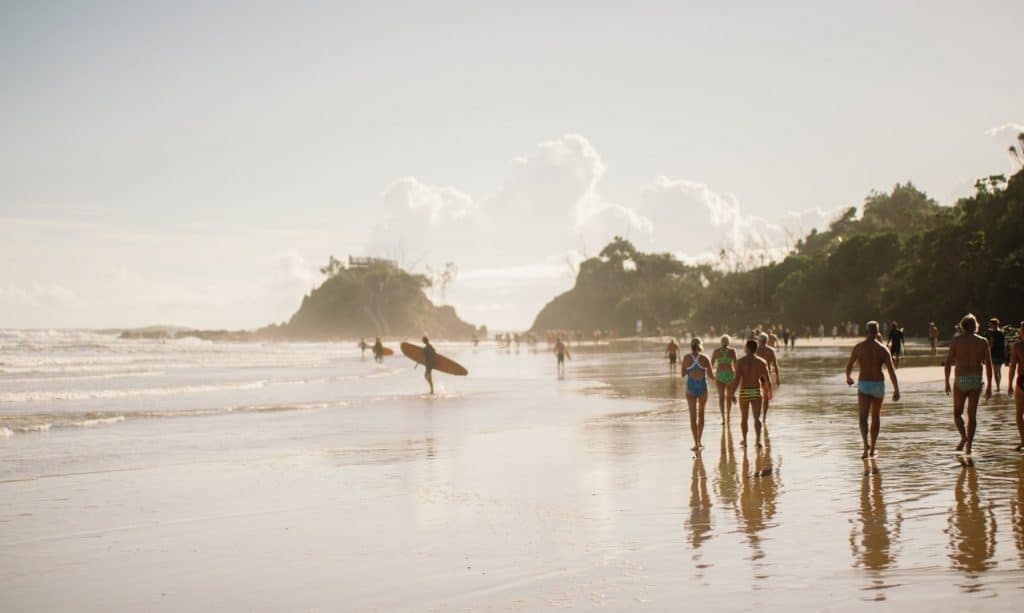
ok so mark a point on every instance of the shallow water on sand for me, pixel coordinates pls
(300, 477)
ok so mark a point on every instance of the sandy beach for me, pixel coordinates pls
(299, 477)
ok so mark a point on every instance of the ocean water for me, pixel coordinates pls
(301, 476)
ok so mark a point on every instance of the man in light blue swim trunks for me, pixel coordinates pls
(872, 355)
(969, 352)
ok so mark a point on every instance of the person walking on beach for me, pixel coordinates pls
(724, 358)
(969, 352)
(1017, 368)
(429, 355)
(561, 351)
(933, 337)
(378, 351)
(696, 367)
(895, 343)
(363, 347)
(871, 355)
(767, 353)
(997, 347)
(672, 353)
(751, 376)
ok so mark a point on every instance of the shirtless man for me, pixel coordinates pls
(672, 353)
(1017, 368)
(871, 354)
(766, 353)
(933, 337)
(754, 383)
(969, 352)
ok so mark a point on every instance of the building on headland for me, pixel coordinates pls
(369, 262)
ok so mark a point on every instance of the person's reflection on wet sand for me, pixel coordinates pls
(757, 499)
(972, 528)
(727, 483)
(1017, 511)
(872, 548)
(699, 523)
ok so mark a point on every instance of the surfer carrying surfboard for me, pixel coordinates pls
(429, 356)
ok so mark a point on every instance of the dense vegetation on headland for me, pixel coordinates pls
(906, 258)
(377, 298)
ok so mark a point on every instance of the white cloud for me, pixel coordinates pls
(550, 202)
(1012, 128)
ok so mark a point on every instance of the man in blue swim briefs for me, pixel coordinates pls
(871, 355)
(969, 352)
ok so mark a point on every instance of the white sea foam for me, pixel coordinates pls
(41, 396)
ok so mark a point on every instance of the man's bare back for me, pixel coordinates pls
(871, 355)
(969, 353)
(750, 369)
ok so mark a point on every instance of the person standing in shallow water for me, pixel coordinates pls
(751, 375)
(933, 337)
(996, 347)
(871, 355)
(767, 353)
(696, 367)
(723, 358)
(895, 343)
(561, 351)
(969, 352)
(672, 353)
(429, 355)
(378, 350)
(1017, 368)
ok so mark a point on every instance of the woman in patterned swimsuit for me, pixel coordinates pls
(723, 358)
(695, 368)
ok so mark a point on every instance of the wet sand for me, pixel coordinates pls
(514, 490)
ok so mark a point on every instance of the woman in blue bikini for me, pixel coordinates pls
(696, 367)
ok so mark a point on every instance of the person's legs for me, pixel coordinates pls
(691, 403)
(722, 391)
(430, 379)
(744, 413)
(959, 398)
(756, 406)
(972, 418)
(863, 405)
(997, 370)
(1018, 398)
(702, 401)
(876, 423)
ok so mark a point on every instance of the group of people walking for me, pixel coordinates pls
(755, 375)
(972, 359)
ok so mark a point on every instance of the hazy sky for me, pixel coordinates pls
(193, 163)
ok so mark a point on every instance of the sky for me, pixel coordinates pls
(194, 163)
